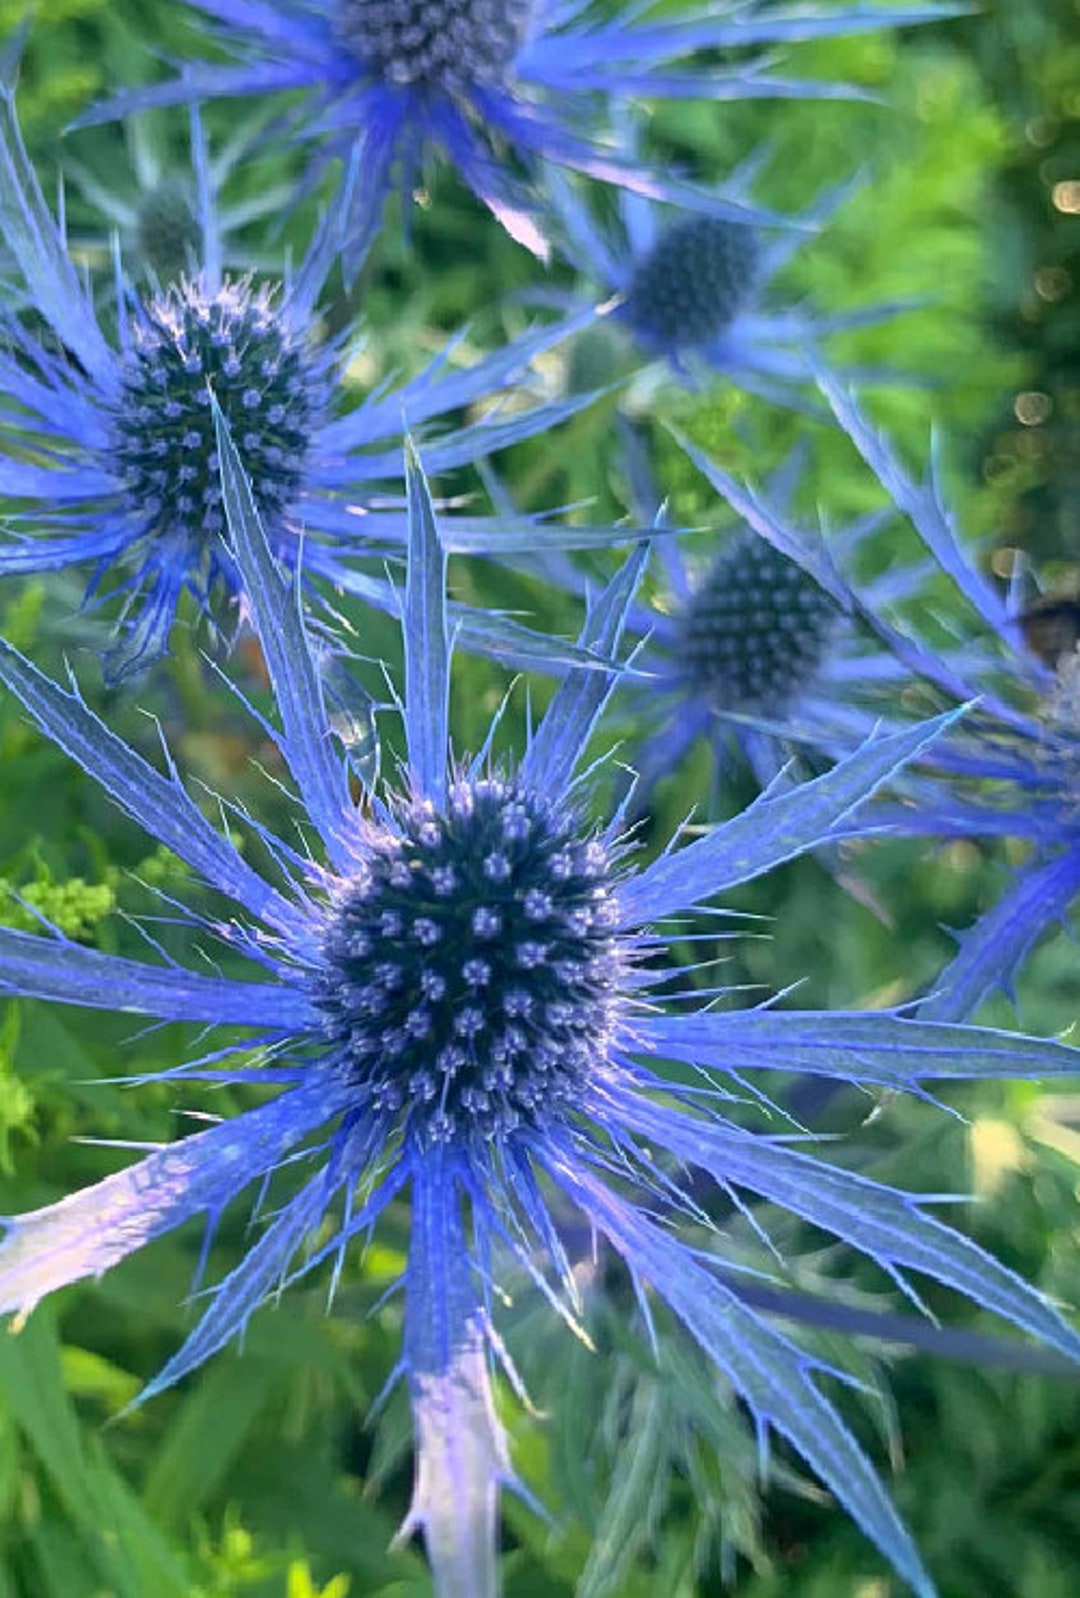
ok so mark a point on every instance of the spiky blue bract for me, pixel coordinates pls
(499, 87)
(107, 447)
(1013, 768)
(456, 995)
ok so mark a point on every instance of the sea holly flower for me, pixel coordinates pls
(457, 988)
(751, 646)
(108, 445)
(498, 87)
(699, 293)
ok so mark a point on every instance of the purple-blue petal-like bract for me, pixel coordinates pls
(458, 993)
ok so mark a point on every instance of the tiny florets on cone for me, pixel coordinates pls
(470, 967)
(187, 345)
(756, 628)
(441, 44)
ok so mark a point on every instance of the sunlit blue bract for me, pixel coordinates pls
(498, 86)
(458, 998)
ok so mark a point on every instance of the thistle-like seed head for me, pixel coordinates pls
(237, 344)
(471, 972)
(756, 629)
(447, 45)
(692, 283)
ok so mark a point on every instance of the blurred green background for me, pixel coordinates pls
(266, 1473)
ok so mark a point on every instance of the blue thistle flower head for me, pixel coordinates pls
(687, 290)
(191, 342)
(701, 292)
(108, 446)
(753, 645)
(460, 999)
(499, 87)
(756, 630)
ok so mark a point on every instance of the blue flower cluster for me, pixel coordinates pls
(465, 993)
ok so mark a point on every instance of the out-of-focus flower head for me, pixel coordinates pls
(749, 639)
(459, 991)
(698, 292)
(498, 87)
(153, 206)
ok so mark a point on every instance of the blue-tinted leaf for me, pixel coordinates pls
(774, 829)
(572, 714)
(307, 742)
(775, 1377)
(867, 1047)
(461, 1457)
(427, 648)
(991, 952)
(53, 968)
(87, 1232)
(882, 1222)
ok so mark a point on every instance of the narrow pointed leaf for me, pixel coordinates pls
(31, 234)
(882, 1222)
(773, 1375)
(53, 968)
(427, 649)
(461, 1456)
(307, 743)
(991, 952)
(579, 699)
(87, 1232)
(775, 829)
(861, 1047)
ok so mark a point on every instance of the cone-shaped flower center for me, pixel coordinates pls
(471, 970)
(440, 44)
(186, 344)
(692, 283)
(167, 235)
(756, 629)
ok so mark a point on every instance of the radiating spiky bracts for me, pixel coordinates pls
(457, 995)
(704, 294)
(107, 443)
(1012, 769)
(498, 87)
